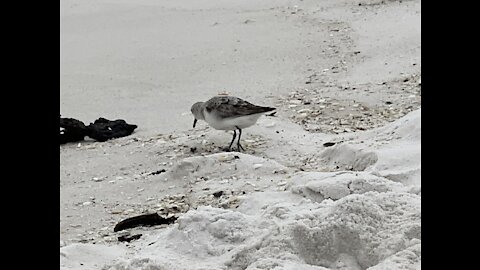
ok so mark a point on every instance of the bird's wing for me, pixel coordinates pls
(228, 107)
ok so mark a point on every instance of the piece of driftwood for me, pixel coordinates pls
(143, 220)
(218, 194)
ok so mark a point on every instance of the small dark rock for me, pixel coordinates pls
(193, 149)
(158, 172)
(328, 144)
(127, 238)
(388, 102)
(218, 194)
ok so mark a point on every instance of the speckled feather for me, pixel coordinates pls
(231, 107)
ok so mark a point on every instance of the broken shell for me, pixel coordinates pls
(295, 101)
(97, 179)
(304, 111)
(225, 157)
(301, 116)
(256, 166)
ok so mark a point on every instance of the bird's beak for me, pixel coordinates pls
(194, 122)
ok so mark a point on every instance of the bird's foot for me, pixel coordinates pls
(237, 149)
(240, 147)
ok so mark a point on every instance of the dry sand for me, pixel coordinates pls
(338, 71)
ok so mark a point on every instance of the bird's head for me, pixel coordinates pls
(197, 111)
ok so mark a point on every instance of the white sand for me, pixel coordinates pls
(288, 202)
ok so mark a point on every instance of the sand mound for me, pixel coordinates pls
(230, 174)
(366, 228)
(346, 157)
(86, 256)
(399, 158)
(409, 258)
(356, 232)
(222, 165)
(317, 220)
(318, 186)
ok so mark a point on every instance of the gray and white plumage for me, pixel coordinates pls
(228, 113)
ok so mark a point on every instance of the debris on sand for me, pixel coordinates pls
(73, 130)
(129, 238)
(143, 220)
(103, 129)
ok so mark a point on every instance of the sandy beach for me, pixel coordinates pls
(345, 73)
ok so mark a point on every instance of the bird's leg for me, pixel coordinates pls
(233, 139)
(239, 146)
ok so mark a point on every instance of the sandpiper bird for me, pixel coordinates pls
(228, 113)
